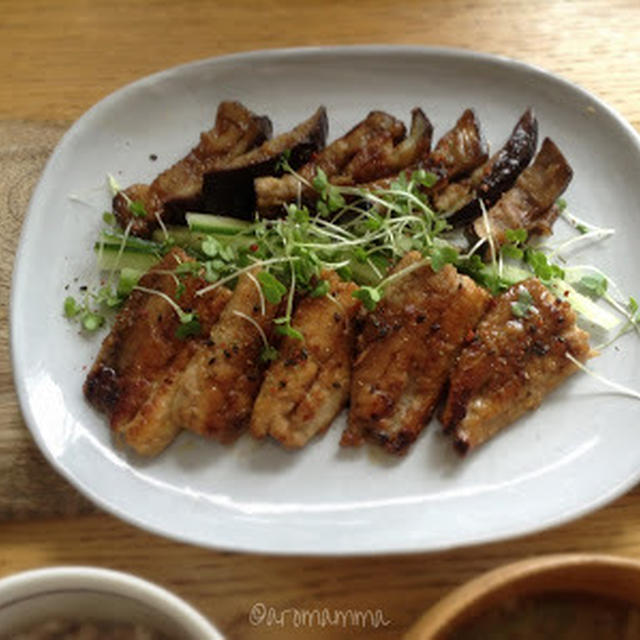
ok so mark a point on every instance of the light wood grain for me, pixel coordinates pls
(58, 57)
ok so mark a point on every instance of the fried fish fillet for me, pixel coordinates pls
(217, 389)
(306, 388)
(517, 356)
(406, 351)
(179, 188)
(133, 377)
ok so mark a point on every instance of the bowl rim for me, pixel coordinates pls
(36, 582)
(445, 614)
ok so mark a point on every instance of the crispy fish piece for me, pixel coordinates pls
(133, 376)
(217, 389)
(529, 204)
(306, 388)
(406, 351)
(516, 357)
(272, 193)
(179, 188)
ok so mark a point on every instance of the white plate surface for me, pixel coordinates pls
(575, 453)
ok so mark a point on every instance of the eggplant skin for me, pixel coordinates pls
(178, 189)
(529, 204)
(502, 170)
(229, 190)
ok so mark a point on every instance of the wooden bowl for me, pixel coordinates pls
(599, 575)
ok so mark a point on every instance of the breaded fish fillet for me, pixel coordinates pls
(219, 385)
(305, 389)
(134, 373)
(406, 351)
(517, 356)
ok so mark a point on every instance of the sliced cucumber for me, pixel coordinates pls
(218, 225)
(110, 257)
(131, 243)
(586, 307)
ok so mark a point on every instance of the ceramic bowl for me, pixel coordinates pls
(32, 597)
(602, 575)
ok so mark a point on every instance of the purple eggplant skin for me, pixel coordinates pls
(503, 169)
(230, 191)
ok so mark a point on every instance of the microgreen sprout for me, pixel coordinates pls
(523, 305)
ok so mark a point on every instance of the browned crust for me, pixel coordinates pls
(308, 385)
(511, 364)
(406, 350)
(217, 389)
(142, 353)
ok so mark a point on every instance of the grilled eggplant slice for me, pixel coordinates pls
(384, 156)
(513, 361)
(306, 388)
(133, 377)
(230, 190)
(179, 189)
(461, 150)
(272, 193)
(406, 351)
(460, 201)
(529, 203)
(458, 152)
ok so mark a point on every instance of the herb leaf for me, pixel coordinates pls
(443, 255)
(370, 296)
(522, 306)
(272, 288)
(191, 327)
(595, 284)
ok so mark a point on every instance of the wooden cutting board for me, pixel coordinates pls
(29, 487)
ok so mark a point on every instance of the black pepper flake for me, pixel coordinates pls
(256, 308)
(153, 157)
(435, 326)
(235, 348)
(337, 317)
(212, 361)
(336, 385)
(83, 287)
(227, 353)
(420, 318)
(539, 348)
(282, 384)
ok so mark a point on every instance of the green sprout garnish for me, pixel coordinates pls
(523, 305)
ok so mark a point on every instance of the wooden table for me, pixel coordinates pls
(57, 58)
